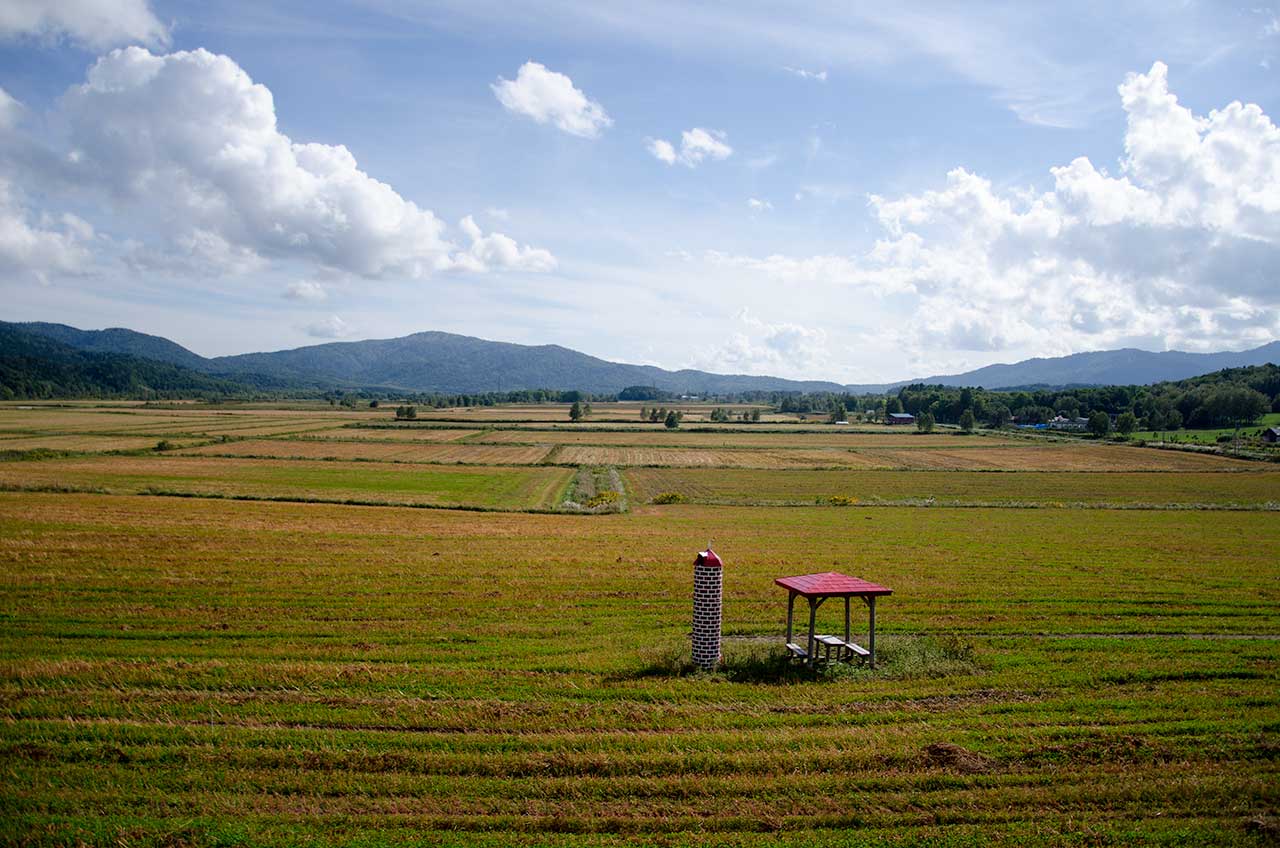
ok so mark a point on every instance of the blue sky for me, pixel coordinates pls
(861, 194)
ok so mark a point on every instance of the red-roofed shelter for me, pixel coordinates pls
(816, 588)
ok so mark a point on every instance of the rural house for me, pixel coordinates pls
(899, 418)
(1271, 435)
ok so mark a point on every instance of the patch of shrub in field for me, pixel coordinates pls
(837, 500)
(668, 498)
(605, 498)
(595, 490)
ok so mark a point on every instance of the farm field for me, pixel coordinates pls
(792, 486)
(393, 434)
(731, 458)
(393, 452)
(85, 443)
(772, 439)
(338, 647)
(1046, 457)
(438, 485)
(262, 672)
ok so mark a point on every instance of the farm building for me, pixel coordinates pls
(899, 418)
(1271, 435)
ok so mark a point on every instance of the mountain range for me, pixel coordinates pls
(455, 364)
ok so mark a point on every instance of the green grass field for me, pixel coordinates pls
(1208, 437)
(202, 671)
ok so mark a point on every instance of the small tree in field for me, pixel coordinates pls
(925, 423)
(1126, 423)
(672, 421)
(575, 411)
(1099, 424)
(967, 423)
(406, 412)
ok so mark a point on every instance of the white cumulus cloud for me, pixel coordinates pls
(40, 246)
(192, 143)
(1180, 247)
(92, 23)
(696, 145)
(663, 151)
(762, 347)
(550, 97)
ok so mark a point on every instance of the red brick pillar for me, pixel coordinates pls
(707, 597)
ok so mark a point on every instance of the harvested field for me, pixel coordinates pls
(739, 439)
(52, 421)
(442, 485)
(46, 421)
(1056, 457)
(396, 452)
(258, 673)
(81, 443)
(394, 434)
(694, 457)
(737, 486)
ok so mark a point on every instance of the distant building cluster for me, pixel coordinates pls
(1060, 422)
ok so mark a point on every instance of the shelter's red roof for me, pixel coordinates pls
(831, 583)
(708, 557)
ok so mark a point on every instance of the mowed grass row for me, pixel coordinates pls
(1254, 488)
(491, 487)
(289, 672)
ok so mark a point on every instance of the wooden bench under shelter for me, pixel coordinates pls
(816, 588)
